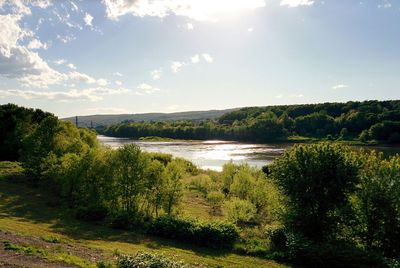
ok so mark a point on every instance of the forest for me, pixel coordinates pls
(318, 204)
(368, 121)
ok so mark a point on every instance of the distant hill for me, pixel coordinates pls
(110, 119)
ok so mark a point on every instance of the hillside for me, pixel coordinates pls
(110, 119)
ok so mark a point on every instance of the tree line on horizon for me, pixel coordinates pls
(365, 121)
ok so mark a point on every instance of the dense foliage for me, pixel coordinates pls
(148, 260)
(124, 185)
(368, 120)
(211, 234)
(318, 205)
(316, 179)
(341, 206)
(15, 124)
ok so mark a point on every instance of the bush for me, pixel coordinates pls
(147, 260)
(210, 234)
(103, 264)
(126, 221)
(202, 183)
(215, 198)
(239, 210)
(307, 253)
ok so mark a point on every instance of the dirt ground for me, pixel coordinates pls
(11, 258)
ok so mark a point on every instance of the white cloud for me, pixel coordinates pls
(146, 89)
(118, 83)
(340, 86)
(189, 26)
(19, 62)
(67, 38)
(207, 58)
(88, 19)
(296, 3)
(74, 6)
(250, 30)
(84, 78)
(90, 94)
(40, 3)
(117, 74)
(176, 66)
(156, 74)
(36, 44)
(71, 66)
(60, 61)
(102, 82)
(195, 58)
(197, 10)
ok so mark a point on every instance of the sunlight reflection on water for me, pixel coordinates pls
(210, 154)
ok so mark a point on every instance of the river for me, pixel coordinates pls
(213, 154)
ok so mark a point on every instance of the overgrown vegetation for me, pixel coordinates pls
(377, 121)
(211, 234)
(318, 204)
(147, 260)
(341, 206)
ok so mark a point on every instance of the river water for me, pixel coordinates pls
(213, 154)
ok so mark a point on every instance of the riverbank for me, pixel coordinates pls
(290, 139)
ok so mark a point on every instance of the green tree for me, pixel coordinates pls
(155, 192)
(377, 204)
(174, 173)
(316, 180)
(130, 170)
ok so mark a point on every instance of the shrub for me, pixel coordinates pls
(147, 260)
(239, 210)
(202, 183)
(215, 198)
(126, 221)
(211, 234)
(103, 264)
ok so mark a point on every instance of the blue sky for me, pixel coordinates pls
(134, 56)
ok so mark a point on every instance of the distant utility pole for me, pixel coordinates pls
(76, 121)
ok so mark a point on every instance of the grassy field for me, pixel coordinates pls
(33, 223)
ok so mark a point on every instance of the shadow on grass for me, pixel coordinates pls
(39, 205)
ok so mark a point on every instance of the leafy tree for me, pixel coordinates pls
(130, 170)
(316, 180)
(174, 173)
(377, 204)
(155, 193)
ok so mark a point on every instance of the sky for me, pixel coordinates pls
(136, 56)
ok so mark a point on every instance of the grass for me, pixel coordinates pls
(32, 212)
(30, 250)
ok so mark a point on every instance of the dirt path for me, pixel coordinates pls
(17, 258)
